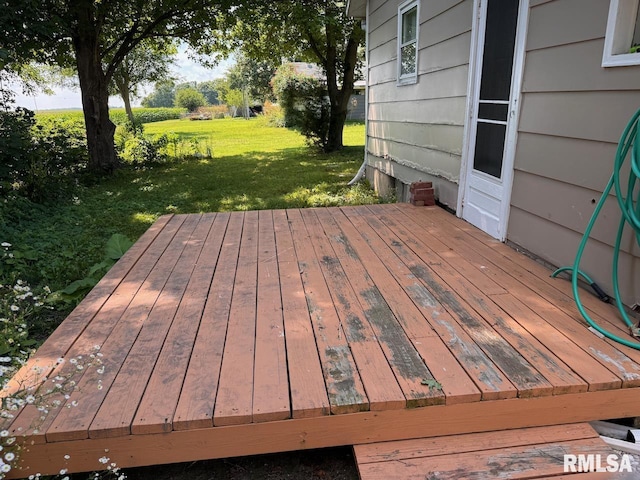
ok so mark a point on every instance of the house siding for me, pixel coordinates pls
(572, 114)
(416, 131)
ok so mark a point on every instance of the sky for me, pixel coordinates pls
(185, 69)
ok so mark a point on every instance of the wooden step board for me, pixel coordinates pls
(529, 453)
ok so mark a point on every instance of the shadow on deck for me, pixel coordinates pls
(243, 333)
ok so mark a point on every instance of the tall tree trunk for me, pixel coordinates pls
(339, 97)
(94, 87)
(123, 88)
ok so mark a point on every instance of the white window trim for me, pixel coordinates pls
(620, 26)
(412, 78)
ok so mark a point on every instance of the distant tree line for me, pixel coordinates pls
(168, 93)
(246, 82)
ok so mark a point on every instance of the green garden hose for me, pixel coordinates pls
(630, 208)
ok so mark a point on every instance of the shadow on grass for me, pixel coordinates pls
(288, 178)
(68, 238)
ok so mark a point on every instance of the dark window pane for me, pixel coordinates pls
(499, 43)
(409, 25)
(491, 111)
(489, 148)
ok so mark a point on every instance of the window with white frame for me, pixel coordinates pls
(622, 40)
(408, 23)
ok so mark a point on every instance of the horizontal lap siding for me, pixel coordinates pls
(573, 113)
(419, 126)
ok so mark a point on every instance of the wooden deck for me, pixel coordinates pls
(245, 333)
(523, 454)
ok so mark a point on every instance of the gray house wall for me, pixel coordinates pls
(572, 114)
(415, 132)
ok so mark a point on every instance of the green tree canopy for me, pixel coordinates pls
(163, 95)
(95, 37)
(189, 98)
(317, 31)
(146, 63)
(253, 76)
(208, 89)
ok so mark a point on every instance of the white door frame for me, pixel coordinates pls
(473, 91)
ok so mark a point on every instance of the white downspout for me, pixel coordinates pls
(362, 168)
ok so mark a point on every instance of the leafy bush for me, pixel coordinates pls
(305, 104)
(138, 149)
(273, 115)
(190, 98)
(15, 146)
(39, 160)
(181, 148)
(116, 247)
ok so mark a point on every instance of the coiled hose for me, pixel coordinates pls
(630, 207)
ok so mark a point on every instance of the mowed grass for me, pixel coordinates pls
(253, 167)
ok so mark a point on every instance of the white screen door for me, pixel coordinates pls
(493, 120)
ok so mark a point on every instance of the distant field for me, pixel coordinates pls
(118, 115)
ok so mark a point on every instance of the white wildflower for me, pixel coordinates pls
(9, 456)
(5, 244)
(14, 308)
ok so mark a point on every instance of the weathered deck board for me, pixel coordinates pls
(412, 374)
(149, 301)
(138, 374)
(530, 453)
(157, 406)
(383, 388)
(457, 273)
(252, 332)
(198, 394)
(344, 382)
(620, 360)
(234, 402)
(104, 322)
(308, 393)
(271, 385)
(509, 361)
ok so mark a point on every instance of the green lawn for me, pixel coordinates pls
(253, 167)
